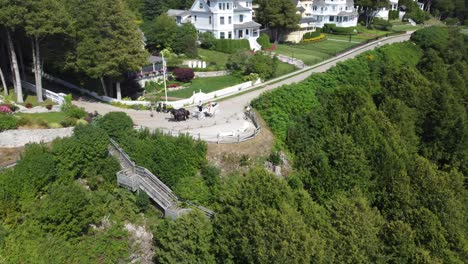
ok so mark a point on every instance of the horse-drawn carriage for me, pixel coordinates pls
(180, 114)
(208, 110)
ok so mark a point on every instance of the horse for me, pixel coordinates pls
(180, 114)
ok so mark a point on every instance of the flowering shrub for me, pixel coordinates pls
(319, 38)
(5, 109)
(49, 107)
(29, 105)
(174, 85)
(183, 74)
(272, 48)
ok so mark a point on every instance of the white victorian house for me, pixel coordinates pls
(226, 19)
(342, 13)
(384, 12)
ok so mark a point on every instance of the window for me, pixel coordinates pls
(227, 6)
(208, 3)
(230, 20)
(247, 4)
(220, 6)
(241, 18)
(221, 35)
(332, 18)
(195, 18)
(221, 20)
(224, 6)
(314, 8)
(229, 35)
(246, 32)
(209, 20)
(201, 5)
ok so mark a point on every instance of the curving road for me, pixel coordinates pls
(229, 120)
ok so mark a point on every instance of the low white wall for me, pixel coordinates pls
(203, 97)
(92, 94)
(211, 74)
(200, 96)
(143, 80)
(55, 97)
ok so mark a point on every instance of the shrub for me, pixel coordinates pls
(174, 85)
(49, 107)
(452, 21)
(115, 124)
(310, 35)
(263, 65)
(183, 74)
(5, 109)
(8, 122)
(207, 40)
(25, 120)
(28, 105)
(81, 122)
(264, 41)
(12, 107)
(381, 24)
(316, 39)
(329, 28)
(55, 125)
(142, 201)
(151, 87)
(75, 112)
(68, 122)
(231, 45)
(393, 14)
(275, 158)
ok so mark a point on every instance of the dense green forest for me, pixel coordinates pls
(379, 148)
(388, 129)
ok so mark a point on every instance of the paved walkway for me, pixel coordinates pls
(230, 118)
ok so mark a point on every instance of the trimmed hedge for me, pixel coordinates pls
(231, 45)
(310, 35)
(315, 39)
(333, 29)
(264, 41)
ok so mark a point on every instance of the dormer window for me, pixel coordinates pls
(208, 3)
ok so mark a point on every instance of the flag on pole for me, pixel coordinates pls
(164, 75)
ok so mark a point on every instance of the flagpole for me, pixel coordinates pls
(164, 75)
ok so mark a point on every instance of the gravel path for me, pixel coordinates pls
(229, 119)
(21, 137)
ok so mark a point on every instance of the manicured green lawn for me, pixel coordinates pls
(405, 27)
(314, 52)
(464, 31)
(49, 117)
(284, 68)
(214, 58)
(206, 85)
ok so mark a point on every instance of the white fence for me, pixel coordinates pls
(90, 93)
(203, 97)
(55, 97)
(211, 74)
